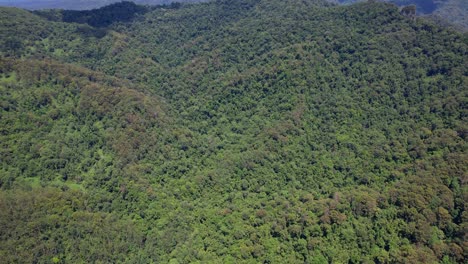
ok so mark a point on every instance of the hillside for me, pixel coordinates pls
(454, 12)
(247, 131)
(446, 12)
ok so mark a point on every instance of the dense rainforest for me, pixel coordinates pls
(247, 131)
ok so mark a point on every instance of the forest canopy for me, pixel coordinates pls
(247, 131)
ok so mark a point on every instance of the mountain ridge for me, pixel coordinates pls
(81, 4)
(446, 12)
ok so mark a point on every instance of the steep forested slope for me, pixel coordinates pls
(234, 131)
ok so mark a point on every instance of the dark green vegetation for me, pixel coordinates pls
(247, 131)
(103, 17)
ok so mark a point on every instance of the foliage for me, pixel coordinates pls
(233, 132)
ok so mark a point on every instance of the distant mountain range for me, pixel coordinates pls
(454, 12)
(423, 6)
(77, 4)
